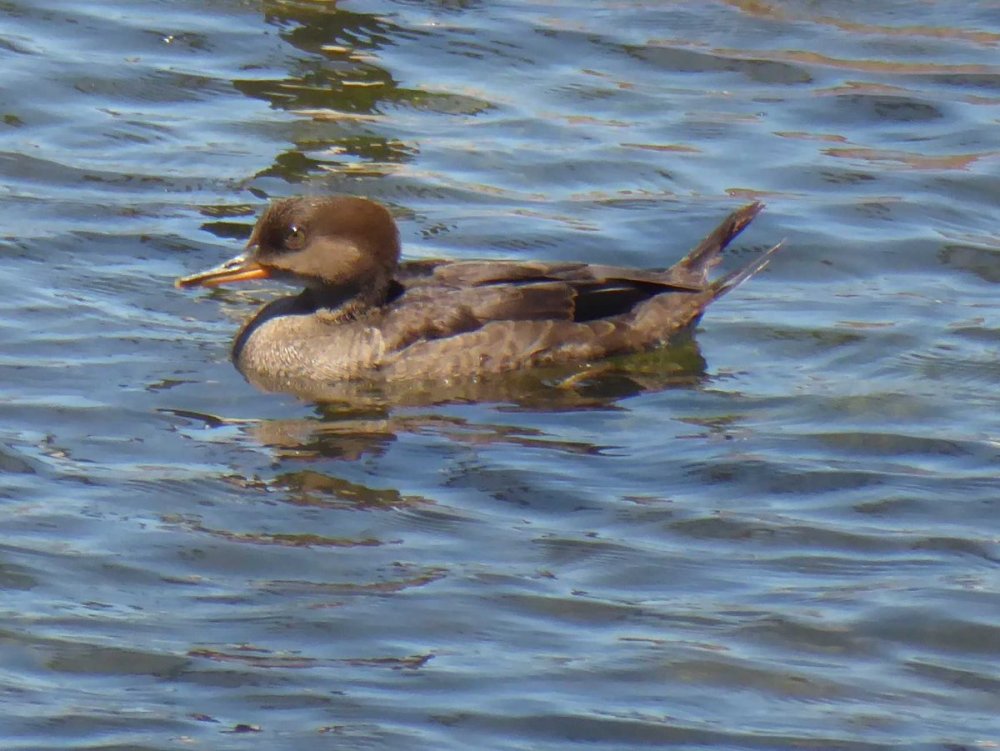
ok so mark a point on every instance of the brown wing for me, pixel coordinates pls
(508, 290)
(501, 346)
(482, 316)
(462, 274)
(690, 272)
(435, 312)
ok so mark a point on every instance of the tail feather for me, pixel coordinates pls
(731, 281)
(693, 269)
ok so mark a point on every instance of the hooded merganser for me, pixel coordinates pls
(365, 315)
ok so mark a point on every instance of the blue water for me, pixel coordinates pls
(781, 534)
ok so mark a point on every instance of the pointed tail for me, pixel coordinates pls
(692, 270)
(731, 281)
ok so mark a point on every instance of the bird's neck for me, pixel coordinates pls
(342, 302)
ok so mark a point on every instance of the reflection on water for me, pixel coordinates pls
(339, 66)
(780, 533)
(354, 419)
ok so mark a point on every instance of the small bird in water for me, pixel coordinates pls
(364, 315)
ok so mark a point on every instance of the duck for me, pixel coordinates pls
(363, 315)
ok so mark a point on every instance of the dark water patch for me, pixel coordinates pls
(680, 60)
(882, 109)
(984, 262)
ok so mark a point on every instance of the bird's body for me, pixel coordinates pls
(363, 315)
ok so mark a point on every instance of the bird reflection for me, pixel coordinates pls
(354, 420)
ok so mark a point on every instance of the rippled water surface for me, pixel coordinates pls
(782, 533)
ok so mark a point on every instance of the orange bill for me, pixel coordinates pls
(239, 269)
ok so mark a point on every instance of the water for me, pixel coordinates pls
(782, 534)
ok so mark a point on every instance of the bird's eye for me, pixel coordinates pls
(295, 239)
